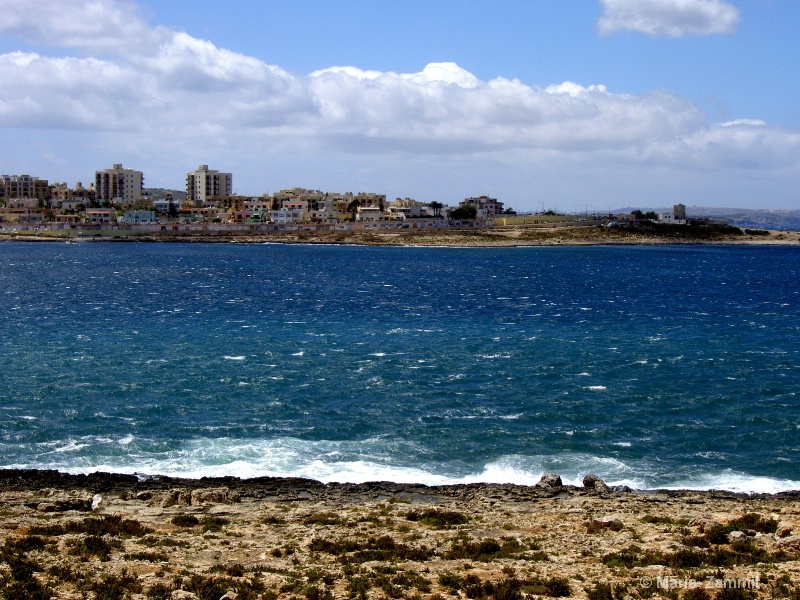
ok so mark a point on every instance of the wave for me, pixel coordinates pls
(372, 460)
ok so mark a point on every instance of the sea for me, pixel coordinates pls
(650, 366)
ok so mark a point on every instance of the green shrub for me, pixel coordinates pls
(438, 519)
(601, 591)
(159, 591)
(213, 524)
(113, 587)
(185, 520)
(92, 545)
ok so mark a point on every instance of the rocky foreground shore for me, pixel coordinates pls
(109, 536)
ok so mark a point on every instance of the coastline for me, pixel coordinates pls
(489, 237)
(298, 538)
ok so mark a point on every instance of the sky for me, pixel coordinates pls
(578, 105)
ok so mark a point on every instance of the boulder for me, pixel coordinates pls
(550, 480)
(594, 482)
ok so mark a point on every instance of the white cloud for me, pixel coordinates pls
(180, 101)
(88, 25)
(674, 18)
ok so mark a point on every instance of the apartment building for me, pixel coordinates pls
(204, 187)
(24, 186)
(487, 207)
(118, 185)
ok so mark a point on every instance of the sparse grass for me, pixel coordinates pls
(213, 524)
(105, 525)
(739, 553)
(383, 548)
(510, 588)
(322, 519)
(115, 587)
(484, 550)
(147, 556)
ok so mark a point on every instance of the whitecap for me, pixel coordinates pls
(596, 388)
(234, 357)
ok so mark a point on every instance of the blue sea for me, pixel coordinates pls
(654, 367)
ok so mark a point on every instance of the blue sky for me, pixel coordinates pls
(579, 105)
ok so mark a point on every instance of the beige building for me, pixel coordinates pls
(205, 186)
(118, 185)
(23, 186)
(486, 207)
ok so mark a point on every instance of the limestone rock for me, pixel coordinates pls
(793, 542)
(83, 503)
(229, 596)
(174, 497)
(220, 495)
(182, 595)
(594, 482)
(784, 532)
(734, 536)
(550, 480)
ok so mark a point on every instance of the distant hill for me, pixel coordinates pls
(160, 193)
(756, 218)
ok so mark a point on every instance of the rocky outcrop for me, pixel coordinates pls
(550, 481)
(593, 482)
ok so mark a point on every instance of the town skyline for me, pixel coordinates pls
(585, 108)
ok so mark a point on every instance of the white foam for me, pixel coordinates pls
(234, 357)
(596, 388)
(733, 481)
(371, 460)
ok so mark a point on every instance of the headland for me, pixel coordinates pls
(506, 236)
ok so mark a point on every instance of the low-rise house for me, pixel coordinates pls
(369, 213)
(101, 216)
(138, 217)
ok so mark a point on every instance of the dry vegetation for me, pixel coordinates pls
(497, 542)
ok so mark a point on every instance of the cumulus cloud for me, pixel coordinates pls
(674, 18)
(88, 25)
(188, 93)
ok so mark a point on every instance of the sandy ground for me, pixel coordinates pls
(118, 537)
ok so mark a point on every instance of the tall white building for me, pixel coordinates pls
(205, 185)
(123, 186)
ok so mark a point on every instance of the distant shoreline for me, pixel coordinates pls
(488, 237)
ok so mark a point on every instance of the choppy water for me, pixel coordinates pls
(651, 366)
